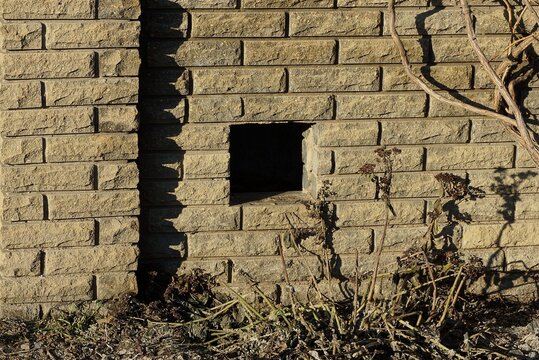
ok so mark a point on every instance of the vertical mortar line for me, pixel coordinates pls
(96, 119)
(45, 207)
(95, 177)
(97, 228)
(229, 269)
(96, 5)
(424, 167)
(335, 4)
(380, 130)
(381, 78)
(470, 129)
(41, 262)
(44, 149)
(286, 80)
(97, 59)
(286, 24)
(337, 51)
(514, 162)
(94, 286)
(43, 36)
(43, 94)
(242, 52)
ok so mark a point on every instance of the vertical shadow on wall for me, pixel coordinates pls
(162, 113)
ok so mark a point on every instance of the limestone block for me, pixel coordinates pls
(209, 53)
(111, 285)
(93, 204)
(20, 263)
(381, 106)
(48, 177)
(234, 243)
(381, 50)
(229, 81)
(21, 150)
(93, 147)
(117, 176)
(21, 36)
(41, 65)
(327, 79)
(277, 217)
(372, 213)
(427, 22)
(22, 207)
(470, 157)
(48, 234)
(119, 9)
(431, 131)
(92, 92)
(187, 137)
(287, 4)
(194, 218)
(335, 23)
(47, 121)
(122, 230)
(297, 52)
(20, 95)
(118, 119)
(119, 62)
(200, 165)
(47, 289)
(192, 4)
(48, 9)
(355, 133)
(350, 161)
(93, 34)
(238, 24)
(438, 76)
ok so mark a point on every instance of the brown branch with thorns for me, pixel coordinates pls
(514, 121)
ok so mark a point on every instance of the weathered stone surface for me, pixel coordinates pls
(91, 259)
(21, 36)
(47, 121)
(431, 131)
(238, 24)
(493, 20)
(187, 192)
(93, 204)
(350, 240)
(200, 165)
(41, 65)
(372, 213)
(119, 9)
(487, 209)
(528, 207)
(221, 81)
(438, 76)
(355, 133)
(427, 22)
(30, 312)
(20, 95)
(217, 268)
(50, 288)
(334, 79)
(480, 236)
(274, 108)
(286, 4)
(401, 238)
(122, 230)
(349, 161)
(280, 52)
(92, 147)
(209, 53)
(48, 9)
(48, 234)
(117, 176)
(380, 50)
(505, 181)
(91, 92)
(15, 151)
(172, 25)
(335, 23)
(271, 269)
(381, 106)
(356, 187)
(458, 49)
(415, 185)
(481, 99)
(48, 177)
(192, 4)
(244, 243)
(187, 137)
(382, 3)
(22, 207)
(118, 119)
(215, 109)
(111, 285)
(194, 218)
(470, 157)
(119, 62)
(524, 159)
(266, 217)
(20, 263)
(93, 34)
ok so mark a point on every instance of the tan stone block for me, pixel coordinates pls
(200, 165)
(370, 106)
(187, 137)
(493, 20)
(346, 133)
(437, 76)
(106, 258)
(167, 25)
(355, 187)
(29, 312)
(47, 234)
(470, 157)
(524, 159)
(187, 192)
(119, 62)
(400, 238)
(215, 109)
(499, 235)
(192, 4)
(335, 23)
(430, 131)
(426, 22)
(458, 49)
(117, 176)
(273, 270)
(21, 36)
(93, 147)
(22, 207)
(490, 208)
(111, 285)
(441, 109)
(372, 213)
(92, 92)
(20, 263)
(47, 289)
(349, 161)
(118, 119)
(194, 218)
(286, 4)
(277, 217)
(48, 177)
(229, 81)
(415, 185)
(21, 150)
(381, 50)
(326, 79)
(208, 53)
(93, 204)
(20, 95)
(217, 268)
(123, 230)
(273, 108)
(382, 3)
(224, 244)
(47, 121)
(528, 207)
(489, 130)
(41, 65)
(119, 9)
(238, 24)
(505, 182)
(93, 34)
(296, 52)
(350, 240)
(48, 9)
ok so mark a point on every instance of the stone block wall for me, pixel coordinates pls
(68, 122)
(209, 65)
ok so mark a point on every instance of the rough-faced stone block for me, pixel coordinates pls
(458, 49)
(48, 9)
(48, 177)
(327, 79)
(119, 9)
(235, 243)
(381, 50)
(192, 4)
(47, 121)
(442, 109)
(282, 216)
(187, 137)
(381, 3)
(505, 181)
(14, 151)
(187, 192)
(350, 161)
(356, 187)
(111, 285)
(200, 165)
(48, 234)
(20, 95)
(297, 52)
(229, 81)
(275, 108)
(92, 92)
(92, 147)
(354, 133)
(415, 185)
(489, 130)
(373, 213)
(93, 204)
(20, 263)
(470, 157)
(438, 77)
(117, 176)
(194, 218)
(22, 207)
(431, 131)
(119, 62)
(215, 109)
(479, 236)
(93, 34)
(273, 270)
(287, 4)
(350, 240)
(48, 65)
(122, 230)
(47, 289)
(21, 36)
(381, 106)
(118, 119)
(427, 22)
(335, 23)
(238, 24)
(208, 53)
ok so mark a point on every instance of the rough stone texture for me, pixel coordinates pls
(329, 79)
(252, 243)
(48, 9)
(380, 50)
(20, 95)
(47, 234)
(431, 131)
(192, 4)
(27, 263)
(119, 9)
(275, 217)
(489, 130)
(123, 230)
(48, 65)
(118, 119)
(470, 157)
(93, 204)
(238, 24)
(372, 213)
(119, 63)
(92, 92)
(109, 285)
(285, 4)
(51, 177)
(194, 218)
(335, 23)
(381, 106)
(117, 176)
(200, 165)
(427, 22)
(220, 81)
(208, 53)
(350, 161)
(442, 76)
(92, 147)
(21, 36)
(47, 289)
(21, 151)
(47, 121)
(22, 207)
(346, 133)
(290, 52)
(93, 34)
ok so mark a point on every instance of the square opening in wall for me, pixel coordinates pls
(266, 158)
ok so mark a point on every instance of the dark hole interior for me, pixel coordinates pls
(266, 158)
